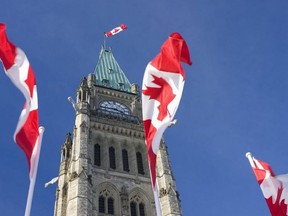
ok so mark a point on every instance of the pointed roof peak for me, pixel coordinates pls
(68, 140)
(108, 72)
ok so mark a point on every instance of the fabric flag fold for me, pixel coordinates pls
(116, 30)
(274, 188)
(52, 181)
(28, 134)
(162, 87)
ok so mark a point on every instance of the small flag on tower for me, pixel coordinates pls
(28, 134)
(274, 188)
(162, 88)
(116, 30)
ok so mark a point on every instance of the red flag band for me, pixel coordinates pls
(274, 188)
(116, 30)
(28, 134)
(18, 69)
(162, 88)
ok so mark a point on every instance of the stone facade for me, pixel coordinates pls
(104, 167)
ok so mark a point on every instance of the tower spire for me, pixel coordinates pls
(109, 74)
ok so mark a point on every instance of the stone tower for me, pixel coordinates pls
(104, 167)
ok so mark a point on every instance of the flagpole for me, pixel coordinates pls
(157, 200)
(104, 41)
(155, 193)
(250, 158)
(33, 172)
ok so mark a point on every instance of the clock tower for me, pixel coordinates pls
(104, 167)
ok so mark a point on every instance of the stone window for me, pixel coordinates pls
(63, 155)
(97, 155)
(84, 96)
(110, 206)
(102, 204)
(106, 203)
(125, 160)
(112, 160)
(140, 163)
(141, 209)
(137, 208)
(133, 209)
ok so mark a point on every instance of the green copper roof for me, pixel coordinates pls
(109, 74)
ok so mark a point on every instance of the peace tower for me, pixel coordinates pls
(104, 167)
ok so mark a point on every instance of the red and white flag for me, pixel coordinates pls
(274, 188)
(116, 30)
(162, 88)
(27, 135)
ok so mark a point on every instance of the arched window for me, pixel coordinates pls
(97, 155)
(67, 154)
(112, 160)
(110, 206)
(84, 95)
(125, 160)
(133, 209)
(141, 209)
(102, 204)
(137, 209)
(140, 163)
(64, 154)
(79, 96)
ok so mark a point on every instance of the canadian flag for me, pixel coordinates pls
(162, 88)
(27, 135)
(116, 30)
(274, 188)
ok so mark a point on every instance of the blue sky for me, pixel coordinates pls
(235, 97)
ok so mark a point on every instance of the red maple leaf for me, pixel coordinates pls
(164, 94)
(116, 30)
(278, 208)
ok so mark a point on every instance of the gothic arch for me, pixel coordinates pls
(105, 192)
(140, 198)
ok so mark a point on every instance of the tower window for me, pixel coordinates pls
(142, 209)
(121, 86)
(84, 95)
(137, 209)
(107, 202)
(110, 206)
(140, 163)
(97, 155)
(125, 160)
(67, 154)
(133, 209)
(112, 160)
(64, 155)
(101, 204)
(105, 82)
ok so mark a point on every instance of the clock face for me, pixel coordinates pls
(116, 107)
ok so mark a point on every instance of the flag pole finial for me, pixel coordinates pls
(250, 159)
(248, 155)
